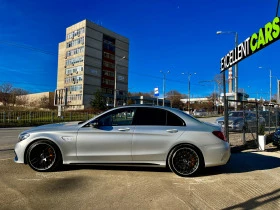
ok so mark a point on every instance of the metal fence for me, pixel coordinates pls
(271, 116)
(22, 118)
(255, 120)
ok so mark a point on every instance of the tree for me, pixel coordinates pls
(18, 96)
(141, 94)
(98, 101)
(175, 98)
(10, 95)
(219, 81)
(46, 102)
(5, 93)
(214, 97)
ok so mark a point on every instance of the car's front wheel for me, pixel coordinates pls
(43, 156)
(185, 160)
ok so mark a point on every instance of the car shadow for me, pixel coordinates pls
(112, 167)
(239, 163)
(245, 162)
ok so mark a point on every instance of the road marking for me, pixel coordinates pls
(29, 179)
(6, 159)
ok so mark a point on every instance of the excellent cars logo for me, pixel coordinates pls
(266, 36)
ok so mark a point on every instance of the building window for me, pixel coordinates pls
(75, 69)
(74, 79)
(74, 97)
(108, 82)
(121, 78)
(75, 88)
(108, 43)
(108, 64)
(108, 73)
(107, 91)
(75, 33)
(75, 51)
(94, 71)
(74, 60)
(75, 42)
(109, 55)
(107, 46)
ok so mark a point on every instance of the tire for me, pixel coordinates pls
(43, 156)
(185, 160)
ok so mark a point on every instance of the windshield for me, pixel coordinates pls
(240, 114)
(236, 114)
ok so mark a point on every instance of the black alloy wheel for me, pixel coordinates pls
(43, 156)
(185, 161)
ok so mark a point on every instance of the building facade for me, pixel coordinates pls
(92, 58)
(36, 100)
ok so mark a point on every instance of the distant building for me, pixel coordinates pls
(36, 100)
(87, 61)
(241, 96)
(148, 100)
(195, 100)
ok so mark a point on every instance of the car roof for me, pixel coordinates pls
(178, 112)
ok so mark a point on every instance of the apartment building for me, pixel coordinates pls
(92, 58)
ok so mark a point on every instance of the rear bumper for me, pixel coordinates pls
(217, 154)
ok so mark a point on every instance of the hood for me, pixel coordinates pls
(56, 126)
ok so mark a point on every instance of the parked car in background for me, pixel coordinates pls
(199, 113)
(272, 116)
(276, 137)
(139, 135)
(241, 120)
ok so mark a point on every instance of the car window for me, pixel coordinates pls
(233, 114)
(236, 114)
(117, 118)
(155, 116)
(174, 120)
(150, 116)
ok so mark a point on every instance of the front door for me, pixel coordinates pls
(109, 140)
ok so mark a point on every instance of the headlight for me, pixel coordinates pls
(23, 136)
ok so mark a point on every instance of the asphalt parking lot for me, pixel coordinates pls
(249, 181)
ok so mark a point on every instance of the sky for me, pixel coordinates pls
(178, 36)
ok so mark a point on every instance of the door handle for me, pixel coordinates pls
(123, 129)
(172, 131)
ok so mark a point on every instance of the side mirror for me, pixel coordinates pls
(94, 124)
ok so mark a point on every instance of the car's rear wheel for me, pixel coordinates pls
(43, 156)
(185, 160)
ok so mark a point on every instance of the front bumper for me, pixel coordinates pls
(19, 153)
(234, 128)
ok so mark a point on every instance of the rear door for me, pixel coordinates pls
(155, 131)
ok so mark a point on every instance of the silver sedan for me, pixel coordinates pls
(140, 135)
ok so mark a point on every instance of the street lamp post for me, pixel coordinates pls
(115, 89)
(278, 91)
(235, 66)
(270, 97)
(163, 89)
(189, 90)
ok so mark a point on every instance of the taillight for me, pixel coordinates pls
(220, 135)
